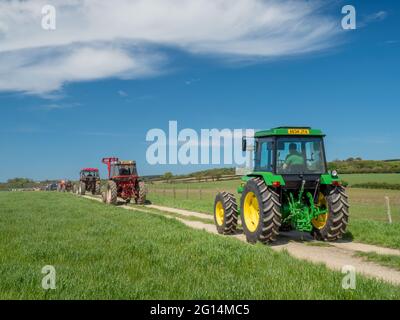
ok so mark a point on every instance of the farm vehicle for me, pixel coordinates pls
(290, 188)
(123, 182)
(65, 186)
(89, 181)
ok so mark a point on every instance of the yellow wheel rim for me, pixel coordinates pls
(251, 212)
(219, 213)
(321, 220)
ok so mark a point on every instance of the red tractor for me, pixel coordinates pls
(123, 182)
(64, 186)
(89, 180)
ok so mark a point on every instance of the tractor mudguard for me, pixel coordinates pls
(268, 177)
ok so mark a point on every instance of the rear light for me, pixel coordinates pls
(276, 184)
(336, 183)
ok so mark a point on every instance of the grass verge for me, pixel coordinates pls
(390, 261)
(104, 252)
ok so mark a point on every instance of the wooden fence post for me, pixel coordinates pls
(187, 192)
(389, 211)
(200, 194)
(174, 190)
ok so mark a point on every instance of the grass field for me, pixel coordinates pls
(391, 178)
(103, 252)
(368, 212)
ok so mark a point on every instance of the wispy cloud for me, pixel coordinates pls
(191, 81)
(123, 38)
(376, 16)
(122, 93)
(56, 106)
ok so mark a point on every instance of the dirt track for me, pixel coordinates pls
(299, 245)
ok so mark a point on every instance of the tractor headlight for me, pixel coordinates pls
(334, 173)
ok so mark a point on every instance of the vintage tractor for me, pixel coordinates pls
(64, 186)
(123, 182)
(289, 189)
(89, 181)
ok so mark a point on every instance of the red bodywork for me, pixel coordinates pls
(127, 185)
(90, 169)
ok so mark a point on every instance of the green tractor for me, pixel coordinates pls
(290, 189)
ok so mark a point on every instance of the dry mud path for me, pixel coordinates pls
(335, 255)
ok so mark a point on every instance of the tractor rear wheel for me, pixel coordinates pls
(225, 213)
(82, 188)
(260, 212)
(332, 226)
(142, 193)
(111, 193)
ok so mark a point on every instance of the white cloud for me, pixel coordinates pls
(122, 93)
(377, 16)
(97, 39)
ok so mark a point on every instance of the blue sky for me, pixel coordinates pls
(347, 84)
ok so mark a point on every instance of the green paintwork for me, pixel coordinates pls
(302, 211)
(284, 131)
(328, 179)
(268, 177)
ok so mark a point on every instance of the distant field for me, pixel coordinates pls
(391, 178)
(104, 252)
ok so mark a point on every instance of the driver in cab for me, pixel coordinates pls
(293, 158)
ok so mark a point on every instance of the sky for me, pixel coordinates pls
(112, 71)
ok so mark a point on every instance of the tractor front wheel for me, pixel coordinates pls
(96, 191)
(225, 213)
(110, 195)
(142, 193)
(332, 226)
(260, 212)
(82, 188)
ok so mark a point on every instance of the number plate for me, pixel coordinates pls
(298, 131)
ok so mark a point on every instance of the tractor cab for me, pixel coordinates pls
(288, 151)
(89, 172)
(123, 168)
(295, 154)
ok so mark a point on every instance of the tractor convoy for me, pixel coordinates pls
(289, 189)
(123, 182)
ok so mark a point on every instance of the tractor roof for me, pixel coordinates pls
(289, 131)
(90, 169)
(127, 162)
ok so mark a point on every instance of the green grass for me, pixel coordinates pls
(390, 261)
(374, 232)
(103, 252)
(391, 178)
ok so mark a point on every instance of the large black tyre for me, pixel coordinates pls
(97, 189)
(225, 213)
(111, 193)
(337, 219)
(82, 188)
(260, 212)
(142, 193)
